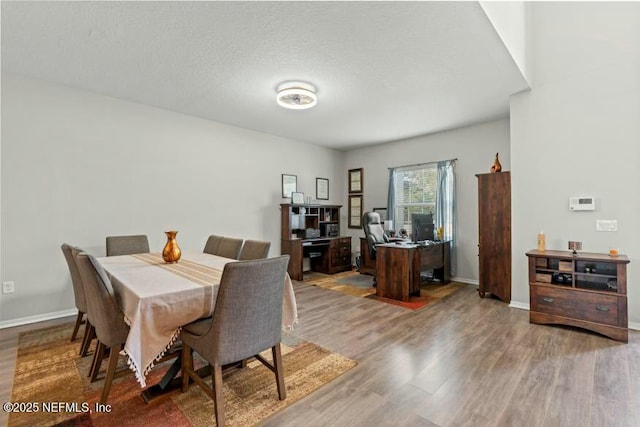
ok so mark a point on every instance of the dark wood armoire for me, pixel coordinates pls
(494, 234)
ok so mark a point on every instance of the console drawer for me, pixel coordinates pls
(575, 304)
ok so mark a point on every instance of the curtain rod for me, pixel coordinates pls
(422, 164)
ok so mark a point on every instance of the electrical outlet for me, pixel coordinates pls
(606, 225)
(8, 287)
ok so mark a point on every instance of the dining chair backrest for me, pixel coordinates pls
(212, 245)
(229, 247)
(105, 315)
(254, 249)
(127, 245)
(76, 280)
(248, 314)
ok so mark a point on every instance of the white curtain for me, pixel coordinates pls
(446, 214)
(391, 197)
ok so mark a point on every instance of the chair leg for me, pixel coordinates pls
(74, 335)
(187, 365)
(89, 335)
(97, 362)
(216, 374)
(114, 353)
(279, 371)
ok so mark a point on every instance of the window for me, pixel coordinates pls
(425, 189)
(415, 189)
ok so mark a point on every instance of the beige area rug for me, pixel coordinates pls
(361, 285)
(346, 282)
(48, 369)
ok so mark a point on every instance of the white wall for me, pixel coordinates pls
(510, 20)
(77, 167)
(473, 146)
(578, 133)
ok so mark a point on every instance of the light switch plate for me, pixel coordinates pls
(8, 287)
(606, 225)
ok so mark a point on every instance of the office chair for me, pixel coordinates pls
(374, 233)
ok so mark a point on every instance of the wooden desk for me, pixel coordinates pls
(333, 255)
(367, 264)
(398, 267)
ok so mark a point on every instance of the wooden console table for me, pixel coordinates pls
(586, 290)
(398, 267)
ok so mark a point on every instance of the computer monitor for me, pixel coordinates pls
(422, 227)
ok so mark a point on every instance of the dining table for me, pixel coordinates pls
(158, 298)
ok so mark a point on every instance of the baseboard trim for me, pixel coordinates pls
(519, 305)
(72, 312)
(464, 280)
(37, 318)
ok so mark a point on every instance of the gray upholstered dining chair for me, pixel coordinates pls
(105, 316)
(127, 245)
(254, 249)
(80, 300)
(247, 320)
(229, 247)
(212, 245)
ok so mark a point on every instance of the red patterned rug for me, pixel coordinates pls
(356, 284)
(49, 370)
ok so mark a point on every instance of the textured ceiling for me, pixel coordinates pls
(384, 70)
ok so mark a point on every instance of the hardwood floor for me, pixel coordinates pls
(463, 361)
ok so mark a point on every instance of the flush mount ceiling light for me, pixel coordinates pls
(296, 95)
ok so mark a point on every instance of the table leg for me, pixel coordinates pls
(170, 382)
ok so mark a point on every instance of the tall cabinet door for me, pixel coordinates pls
(494, 230)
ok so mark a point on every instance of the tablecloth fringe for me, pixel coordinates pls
(136, 370)
(289, 328)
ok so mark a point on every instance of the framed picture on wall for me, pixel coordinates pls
(297, 198)
(355, 211)
(355, 180)
(322, 189)
(289, 185)
(382, 212)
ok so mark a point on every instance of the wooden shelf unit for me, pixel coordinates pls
(327, 254)
(494, 235)
(587, 290)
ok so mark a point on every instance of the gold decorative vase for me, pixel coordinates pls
(497, 167)
(171, 252)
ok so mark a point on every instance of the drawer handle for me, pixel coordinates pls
(602, 308)
(547, 299)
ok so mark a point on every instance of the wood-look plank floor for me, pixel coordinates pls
(463, 361)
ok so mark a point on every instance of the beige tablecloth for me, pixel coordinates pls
(158, 298)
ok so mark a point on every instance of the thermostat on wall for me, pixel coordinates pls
(582, 204)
